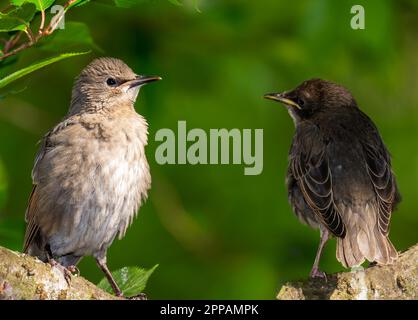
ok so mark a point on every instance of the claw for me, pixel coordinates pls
(52, 262)
(316, 273)
(74, 270)
(67, 276)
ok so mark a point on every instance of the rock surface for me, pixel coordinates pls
(397, 281)
(27, 278)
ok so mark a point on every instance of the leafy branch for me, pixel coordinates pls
(20, 18)
(24, 23)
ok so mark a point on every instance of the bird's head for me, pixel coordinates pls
(313, 96)
(107, 82)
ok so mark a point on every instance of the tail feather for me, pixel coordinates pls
(388, 253)
(351, 251)
(366, 243)
(363, 240)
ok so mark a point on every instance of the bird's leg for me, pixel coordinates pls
(101, 262)
(315, 272)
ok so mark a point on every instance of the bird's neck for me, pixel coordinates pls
(79, 106)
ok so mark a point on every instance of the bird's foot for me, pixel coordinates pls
(65, 271)
(141, 296)
(316, 273)
(52, 262)
(74, 270)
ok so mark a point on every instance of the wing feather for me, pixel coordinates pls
(32, 228)
(383, 180)
(310, 167)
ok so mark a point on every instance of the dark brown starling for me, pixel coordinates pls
(339, 177)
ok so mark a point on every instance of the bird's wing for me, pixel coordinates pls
(378, 166)
(31, 211)
(309, 165)
(298, 203)
(31, 228)
(33, 208)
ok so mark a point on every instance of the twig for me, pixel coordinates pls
(11, 42)
(41, 27)
(11, 53)
(31, 36)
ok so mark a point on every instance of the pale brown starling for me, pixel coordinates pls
(90, 175)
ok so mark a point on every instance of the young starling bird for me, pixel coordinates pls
(90, 175)
(339, 177)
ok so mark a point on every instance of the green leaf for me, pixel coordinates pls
(38, 65)
(75, 36)
(17, 19)
(7, 63)
(25, 13)
(125, 3)
(131, 280)
(8, 23)
(78, 3)
(17, 3)
(41, 5)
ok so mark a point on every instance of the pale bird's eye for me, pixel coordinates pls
(111, 82)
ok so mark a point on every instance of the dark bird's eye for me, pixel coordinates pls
(111, 82)
(300, 102)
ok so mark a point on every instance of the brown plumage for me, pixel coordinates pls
(90, 174)
(339, 177)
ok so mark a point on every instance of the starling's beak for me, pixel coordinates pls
(141, 80)
(282, 98)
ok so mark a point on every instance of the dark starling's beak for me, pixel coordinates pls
(281, 97)
(141, 80)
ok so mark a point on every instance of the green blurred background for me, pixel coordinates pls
(215, 232)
